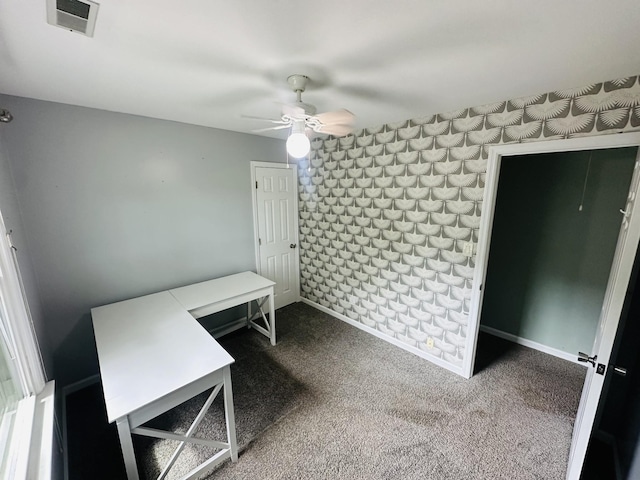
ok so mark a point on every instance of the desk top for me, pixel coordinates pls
(149, 347)
(219, 289)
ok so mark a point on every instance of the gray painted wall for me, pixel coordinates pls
(549, 263)
(115, 206)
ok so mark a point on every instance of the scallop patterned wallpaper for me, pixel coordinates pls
(385, 213)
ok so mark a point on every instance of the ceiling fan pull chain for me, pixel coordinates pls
(586, 179)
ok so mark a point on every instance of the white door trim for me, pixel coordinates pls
(254, 203)
(618, 280)
(488, 209)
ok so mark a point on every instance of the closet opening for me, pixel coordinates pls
(555, 229)
(555, 255)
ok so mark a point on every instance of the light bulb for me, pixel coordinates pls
(298, 145)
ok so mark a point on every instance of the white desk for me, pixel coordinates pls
(212, 296)
(154, 355)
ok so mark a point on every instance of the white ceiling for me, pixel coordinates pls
(207, 62)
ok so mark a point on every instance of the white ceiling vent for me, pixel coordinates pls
(75, 15)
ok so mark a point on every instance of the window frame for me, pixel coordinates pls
(20, 338)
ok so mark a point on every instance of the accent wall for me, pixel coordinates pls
(385, 213)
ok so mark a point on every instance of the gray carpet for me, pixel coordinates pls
(331, 401)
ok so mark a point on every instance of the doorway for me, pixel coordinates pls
(275, 217)
(555, 229)
(627, 245)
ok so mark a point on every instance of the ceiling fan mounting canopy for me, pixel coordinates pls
(297, 82)
(337, 123)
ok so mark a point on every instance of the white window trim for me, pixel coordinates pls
(19, 324)
(18, 457)
(30, 453)
(30, 448)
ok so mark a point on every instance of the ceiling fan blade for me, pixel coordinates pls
(264, 119)
(336, 130)
(279, 127)
(342, 117)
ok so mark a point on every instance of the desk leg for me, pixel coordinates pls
(272, 316)
(230, 416)
(124, 432)
(248, 314)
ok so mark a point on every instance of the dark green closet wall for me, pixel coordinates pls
(549, 262)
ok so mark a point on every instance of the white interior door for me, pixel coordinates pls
(276, 220)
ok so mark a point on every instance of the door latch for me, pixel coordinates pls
(583, 357)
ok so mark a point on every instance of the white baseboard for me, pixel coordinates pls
(80, 384)
(387, 338)
(531, 344)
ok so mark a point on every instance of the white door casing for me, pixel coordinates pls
(616, 288)
(275, 209)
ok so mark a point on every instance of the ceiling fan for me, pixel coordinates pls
(301, 117)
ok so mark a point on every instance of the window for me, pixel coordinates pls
(10, 393)
(21, 372)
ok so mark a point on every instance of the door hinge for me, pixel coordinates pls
(259, 241)
(256, 184)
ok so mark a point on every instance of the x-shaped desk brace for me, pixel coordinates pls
(205, 298)
(267, 329)
(226, 449)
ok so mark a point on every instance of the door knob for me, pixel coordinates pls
(293, 245)
(583, 357)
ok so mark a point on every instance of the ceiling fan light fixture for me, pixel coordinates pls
(298, 144)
